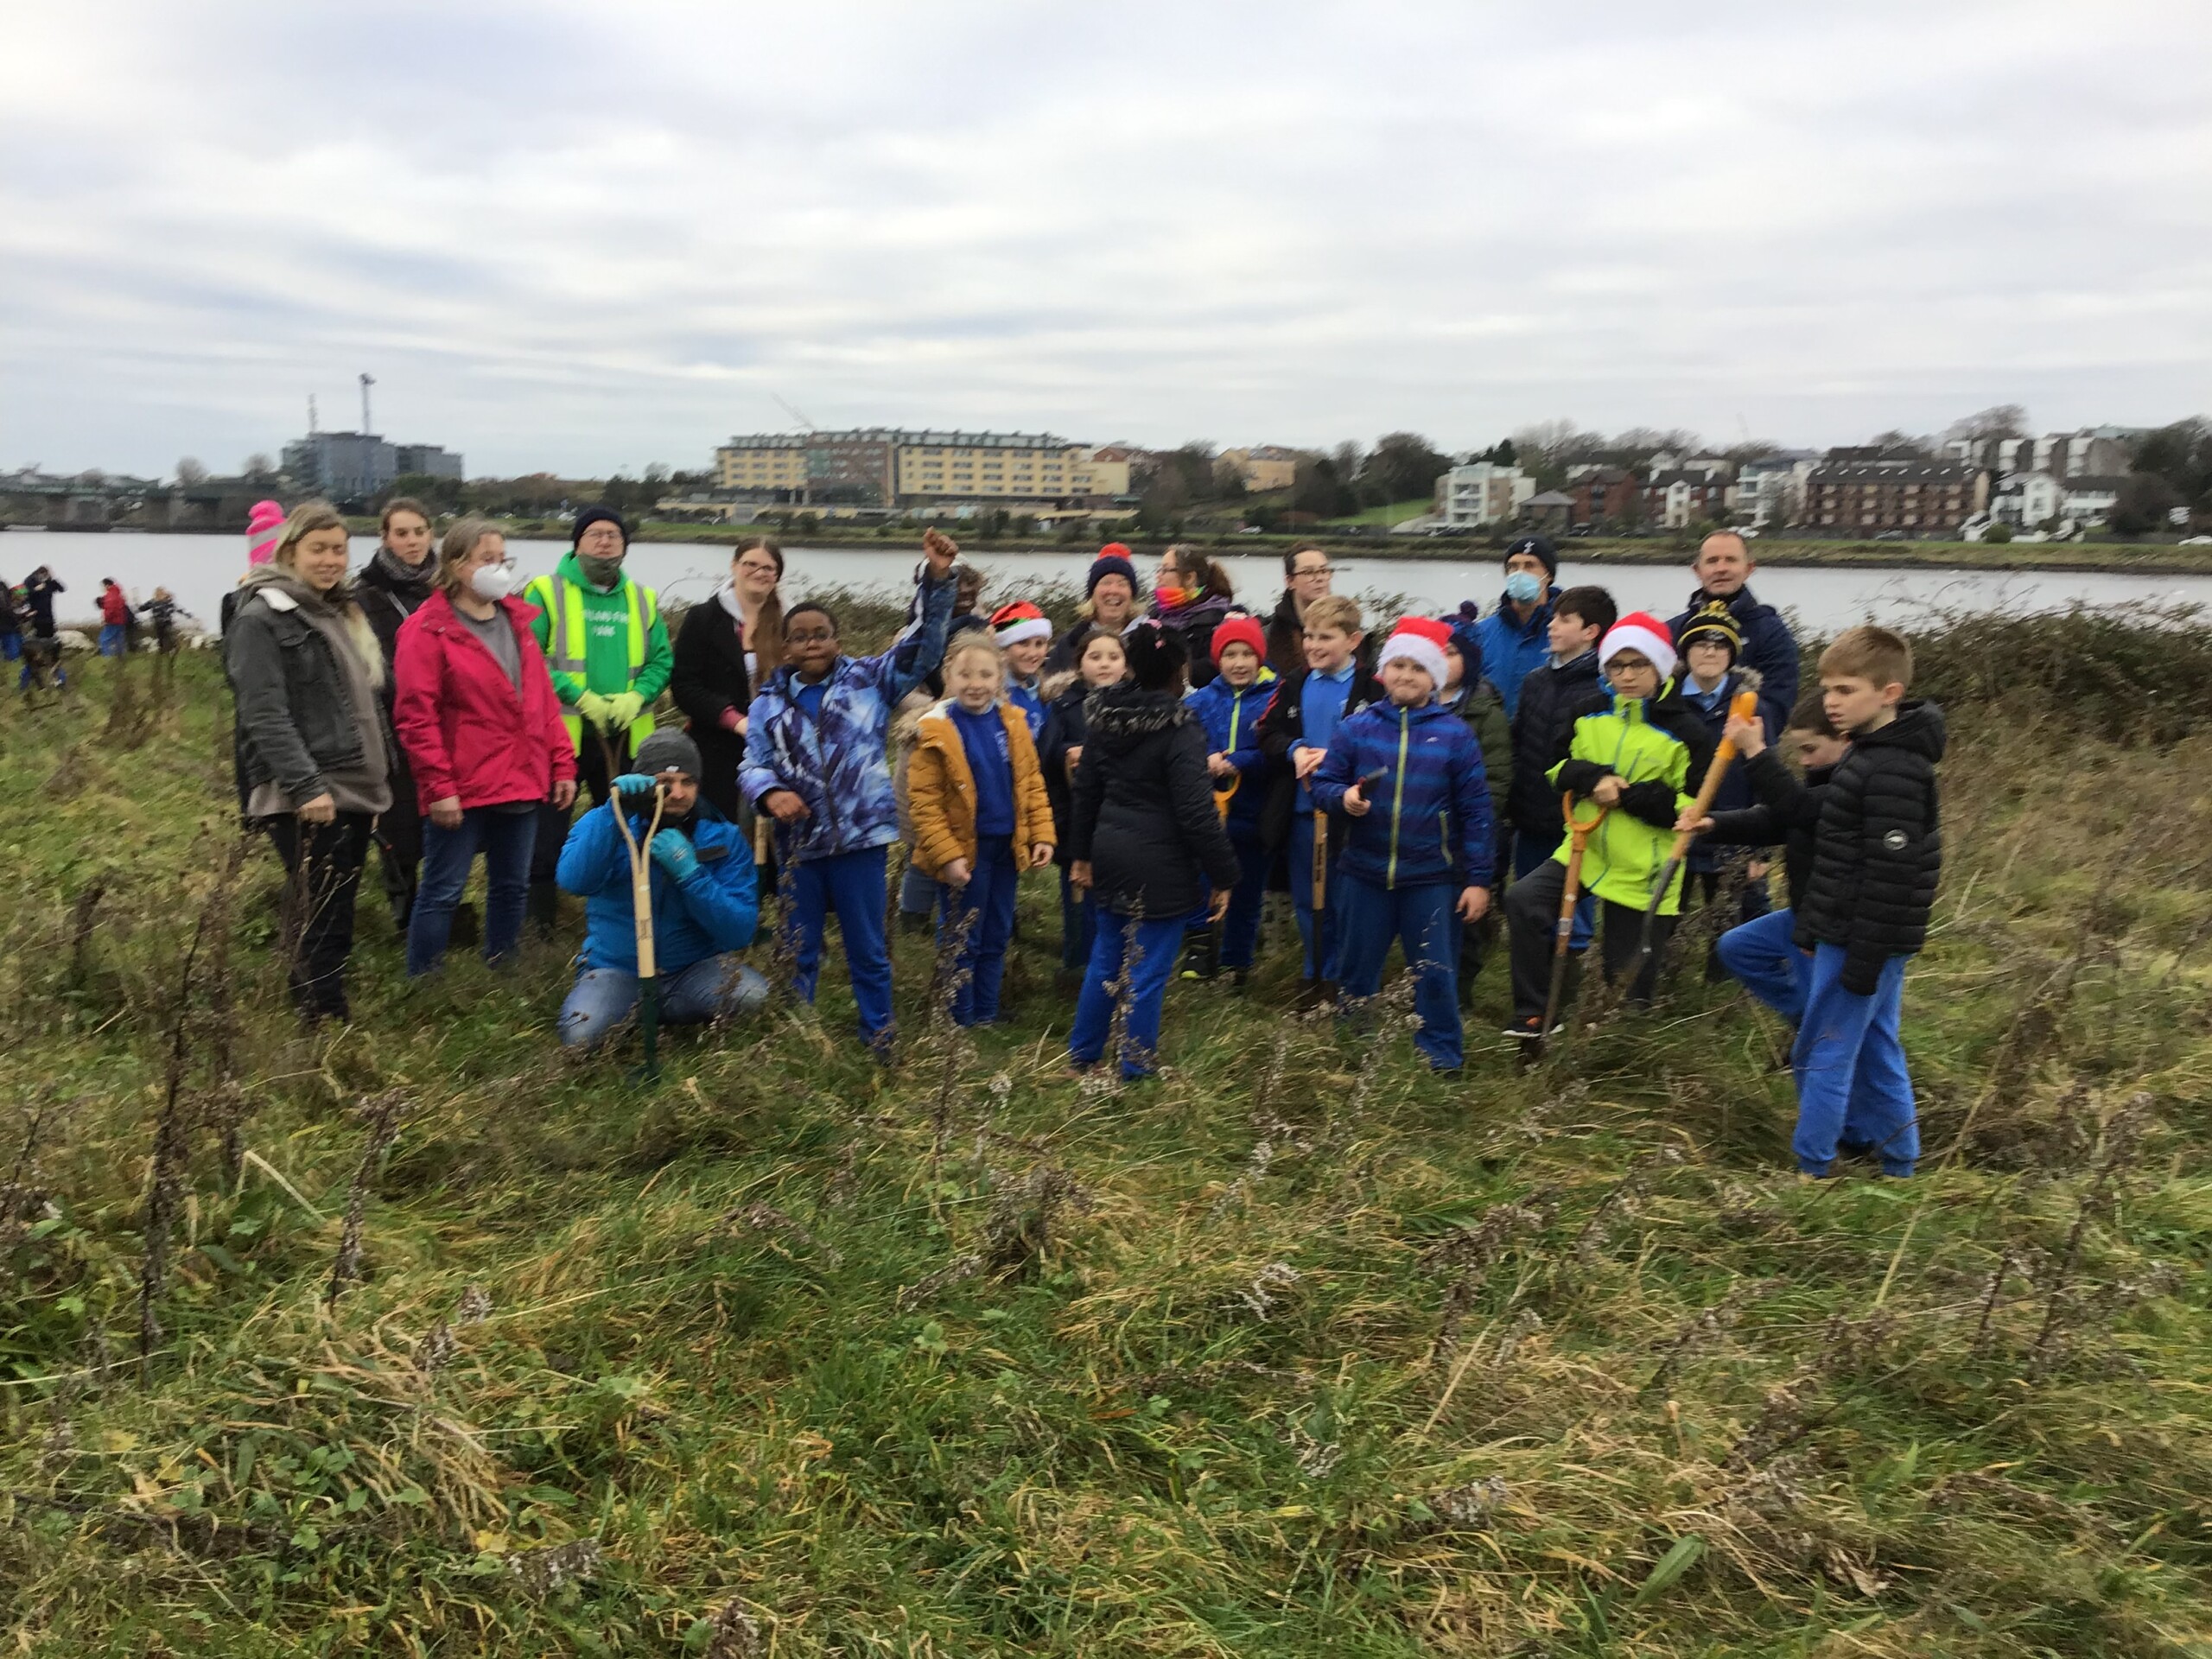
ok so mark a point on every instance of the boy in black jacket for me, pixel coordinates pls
(1549, 695)
(1877, 852)
(1761, 952)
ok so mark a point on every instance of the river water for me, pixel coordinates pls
(199, 569)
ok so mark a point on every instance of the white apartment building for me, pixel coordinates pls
(1483, 493)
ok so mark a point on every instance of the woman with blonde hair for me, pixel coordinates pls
(481, 727)
(314, 750)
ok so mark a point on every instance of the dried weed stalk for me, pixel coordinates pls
(736, 1633)
(383, 1113)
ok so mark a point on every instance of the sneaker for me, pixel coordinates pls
(1531, 1029)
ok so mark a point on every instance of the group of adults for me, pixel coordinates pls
(426, 707)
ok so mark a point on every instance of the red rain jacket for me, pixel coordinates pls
(466, 730)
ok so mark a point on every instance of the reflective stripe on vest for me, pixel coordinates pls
(564, 635)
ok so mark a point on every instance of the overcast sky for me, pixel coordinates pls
(579, 237)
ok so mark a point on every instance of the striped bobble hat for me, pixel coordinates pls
(1011, 624)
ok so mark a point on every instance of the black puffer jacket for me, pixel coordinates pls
(1065, 727)
(1878, 850)
(1144, 810)
(1782, 810)
(1549, 697)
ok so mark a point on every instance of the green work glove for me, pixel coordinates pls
(594, 708)
(623, 709)
(673, 854)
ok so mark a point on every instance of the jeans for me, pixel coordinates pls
(918, 892)
(1419, 916)
(506, 839)
(114, 639)
(992, 885)
(1157, 945)
(719, 988)
(854, 885)
(1760, 954)
(1532, 914)
(323, 864)
(1317, 929)
(1078, 923)
(1853, 1087)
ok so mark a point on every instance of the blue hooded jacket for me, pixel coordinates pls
(837, 761)
(1431, 820)
(1231, 718)
(1513, 650)
(713, 910)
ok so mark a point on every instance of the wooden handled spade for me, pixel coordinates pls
(1745, 706)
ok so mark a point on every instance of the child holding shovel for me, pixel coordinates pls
(1640, 752)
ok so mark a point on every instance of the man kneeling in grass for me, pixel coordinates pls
(706, 901)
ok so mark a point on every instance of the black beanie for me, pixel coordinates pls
(597, 515)
(1542, 548)
(1157, 656)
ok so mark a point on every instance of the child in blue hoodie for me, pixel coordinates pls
(1229, 706)
(1408, 774)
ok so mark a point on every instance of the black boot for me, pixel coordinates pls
(1202, 956)
(544, 906)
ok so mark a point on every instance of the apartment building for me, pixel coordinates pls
(1866, 492)
(1264, 467)
(1483, 493)
(891, 466)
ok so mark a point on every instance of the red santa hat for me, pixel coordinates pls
(1021, 621)
(1421, 642)
(1640, 631)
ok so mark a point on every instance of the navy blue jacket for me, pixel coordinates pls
(1769, 648)
(1735, 791)
(1232, 721)
(1430, 820)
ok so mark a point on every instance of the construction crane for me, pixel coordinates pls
(367, 380)
(796, 415)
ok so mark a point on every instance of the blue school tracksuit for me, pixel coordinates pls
(1231, 718)
(1428, 833)
(1321, 709)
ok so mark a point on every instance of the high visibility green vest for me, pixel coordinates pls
(566, 645)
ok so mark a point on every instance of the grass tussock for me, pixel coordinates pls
(452, 1346)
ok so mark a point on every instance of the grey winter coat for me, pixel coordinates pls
(297, 719)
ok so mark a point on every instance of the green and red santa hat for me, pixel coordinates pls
(1011, 624)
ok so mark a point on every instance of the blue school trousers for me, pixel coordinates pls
(1317, 931)
(1240, 929)
(1771, 968)
(992, 882)
(1853, 1088)
(854, 885)
(1157, 945)
(1420, 917)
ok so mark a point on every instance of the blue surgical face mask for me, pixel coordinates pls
(1524, 587)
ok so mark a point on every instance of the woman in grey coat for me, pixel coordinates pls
(314, 746)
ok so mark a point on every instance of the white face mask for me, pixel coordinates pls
(491, 581)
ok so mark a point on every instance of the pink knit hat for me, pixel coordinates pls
(265, 528)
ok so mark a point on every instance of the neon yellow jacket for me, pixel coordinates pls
(1662, 747)
(608, 643)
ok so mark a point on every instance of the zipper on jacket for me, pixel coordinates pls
(1398, 798)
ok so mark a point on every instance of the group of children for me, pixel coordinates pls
(1365, 781)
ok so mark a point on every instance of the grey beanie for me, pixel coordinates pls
(666, 749)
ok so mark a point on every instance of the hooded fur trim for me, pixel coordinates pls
(281, 591)
(1122, 714)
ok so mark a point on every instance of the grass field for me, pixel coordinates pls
(1294, 1352)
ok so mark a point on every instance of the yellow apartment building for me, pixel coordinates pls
(891, 468)
(1264, 467)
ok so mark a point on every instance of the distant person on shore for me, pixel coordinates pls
(1109, 603)
(398, 579)
(1517, 636)
(1308, 574)
(476, 715)
(41, 646)
(817, 759)
(308, 679)
(607, 643)
(40, 590)
(1190, 594)
(1724, 567)
(729, 643)
(162, 610)
(705, 900)
(11, 624)
(114, 619)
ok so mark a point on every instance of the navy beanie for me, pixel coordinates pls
(1542, 548)
(1468, 638)
(597, 515)
(1108, 565)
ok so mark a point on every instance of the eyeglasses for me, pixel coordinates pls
(1313, 570)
